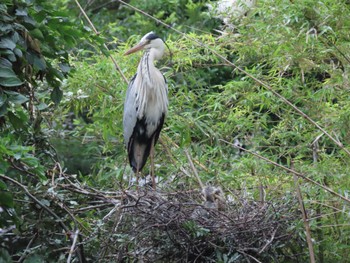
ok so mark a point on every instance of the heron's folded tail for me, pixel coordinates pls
(138, 155)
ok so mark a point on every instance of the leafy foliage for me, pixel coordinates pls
(51, 113)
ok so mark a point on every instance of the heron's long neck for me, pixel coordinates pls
(152, 87)
(147, 69)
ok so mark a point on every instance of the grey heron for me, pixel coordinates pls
(146, 104)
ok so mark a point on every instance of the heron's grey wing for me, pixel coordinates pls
(130, 114)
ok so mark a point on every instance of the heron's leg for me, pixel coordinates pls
(137, 179)
(152, 165)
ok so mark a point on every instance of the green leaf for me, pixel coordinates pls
(10, 82)
(3, 185)
(39, 63)
(36, 33)
(7, 73)
(6, 28)
(21, 12)
(3, 110)
(9, 54)
(56, 95)
(16, 122)
(7, 43)
(3, 8)
(18, 52)
(6, 199)
(16, 97)
(4, 63)
(42, 106)
(5, 256)
(15, 37)
(30, 22)
(3, 99)
(64, 67)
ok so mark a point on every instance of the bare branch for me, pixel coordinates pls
(72, 248)
(305, 220)
(194, 169)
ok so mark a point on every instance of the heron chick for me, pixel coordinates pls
(214, 197)
(146, 104)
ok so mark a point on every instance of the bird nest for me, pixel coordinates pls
(190, 226)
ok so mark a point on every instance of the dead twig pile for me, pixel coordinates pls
(151, 226)
(85, 224)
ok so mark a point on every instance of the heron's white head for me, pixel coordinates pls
(151, 42)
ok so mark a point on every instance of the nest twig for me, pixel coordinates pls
(177, 227)
(157, 226)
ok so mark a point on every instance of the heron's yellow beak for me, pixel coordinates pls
(136, 48)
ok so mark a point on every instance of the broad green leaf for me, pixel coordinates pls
(3, 8)
(10, 82)
(18, 52)
(56, 95)
(15, 37)
(22, 114)
(29, 21)
(21, 12)
(7, 43)
(16, 97)
(16, 122)
(4, 63)
(6, 28)
(64, 67)
(39, 63)
(3, 109)
(36, 33)
(7, 73)
(42, 106)
(8, 54)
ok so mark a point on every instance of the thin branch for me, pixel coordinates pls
(246, 254)
(72, 248)
(104, 45)
(338, 225)
(177, 147)
(26, 251)
(305, 220)
(262, 83)
(324, 215)
(269, 241)
(66, 229)
(319, 232)
(289, 170)
(194, 169)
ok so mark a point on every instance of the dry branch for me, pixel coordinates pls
(167, 224)
(156, 226)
